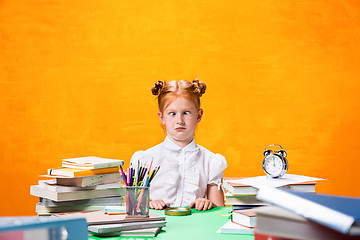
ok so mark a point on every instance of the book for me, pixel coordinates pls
(89, 181)
(148, 232)
(238, 188)
(102, 201)
(91, 162)
(242, 189)
(337, 212)
(230, 227)
(244, 207)
(52, 185)
(246, 218)
(242, 200)
(40, 191)
(75, 172)
(264, 236)
(99, 230)
(42, 228)
(101, 218)
(284, 224)
(41, 209)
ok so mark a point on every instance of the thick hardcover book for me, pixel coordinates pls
(284, 224)
(43, 228)
(39, 191)
(75, 172)
(245, 218)
(337, 212)
(91, 162)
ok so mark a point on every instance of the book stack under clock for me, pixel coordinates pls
(240, 196)
(80, 184)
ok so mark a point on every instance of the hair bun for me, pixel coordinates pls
(157, 87)
(200, 86)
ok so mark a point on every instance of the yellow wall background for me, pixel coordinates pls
(75, 79)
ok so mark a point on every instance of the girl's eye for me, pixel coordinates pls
(171, 113)
(187, 112)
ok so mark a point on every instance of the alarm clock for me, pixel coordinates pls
(275, 164)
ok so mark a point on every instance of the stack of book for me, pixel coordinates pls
(299, 215)
(80, 184)
(107, 225)
(241, 196)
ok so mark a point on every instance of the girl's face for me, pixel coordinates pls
(180, 118)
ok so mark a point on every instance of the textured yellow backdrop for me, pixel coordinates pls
(75, 79)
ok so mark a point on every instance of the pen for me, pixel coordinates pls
(123, 175)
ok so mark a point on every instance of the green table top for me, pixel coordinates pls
(198, 225)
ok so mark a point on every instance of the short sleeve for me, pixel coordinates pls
(217, 165)
(143, 157)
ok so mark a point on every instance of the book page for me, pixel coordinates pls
(265, 181)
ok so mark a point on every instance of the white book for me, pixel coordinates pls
(40, 191)
(110, 228)
(88, 181)
(91, 162)
(242, 200)
(230, 227)
(246, 217)
(146, 232)
(74, 208)
(102, 201)
(52, 185)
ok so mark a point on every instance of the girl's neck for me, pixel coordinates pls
(181, 144)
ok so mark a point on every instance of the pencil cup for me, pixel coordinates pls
(137, 201)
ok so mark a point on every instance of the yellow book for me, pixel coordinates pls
(75, 172)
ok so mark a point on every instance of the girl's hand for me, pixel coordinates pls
(202, 204)
(158, 204)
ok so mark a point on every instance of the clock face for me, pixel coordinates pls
(273, 165)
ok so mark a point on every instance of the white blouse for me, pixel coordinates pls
(184, 172)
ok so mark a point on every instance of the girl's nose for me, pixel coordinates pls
(180, 119)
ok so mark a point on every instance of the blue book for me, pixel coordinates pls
(337, 212)
(50, 228)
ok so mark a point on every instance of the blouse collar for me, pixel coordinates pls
(169, 144)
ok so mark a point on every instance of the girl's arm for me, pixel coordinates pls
(215, 195)
(215, 198)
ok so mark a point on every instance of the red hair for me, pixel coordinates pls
(168, 91)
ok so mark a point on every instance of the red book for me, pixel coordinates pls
(264, 236)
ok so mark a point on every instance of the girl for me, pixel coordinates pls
(189, 174)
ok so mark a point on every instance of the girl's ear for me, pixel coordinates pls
(161, 117)
(200, 114)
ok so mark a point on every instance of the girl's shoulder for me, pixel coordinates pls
(148, 153)
(210, 155)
